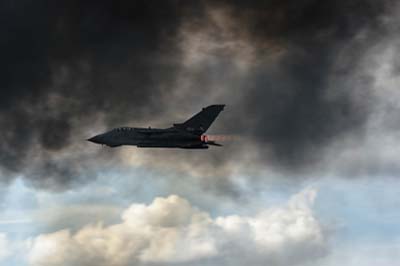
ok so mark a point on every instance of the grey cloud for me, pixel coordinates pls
(72, 65)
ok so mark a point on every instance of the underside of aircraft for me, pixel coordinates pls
(186, 135)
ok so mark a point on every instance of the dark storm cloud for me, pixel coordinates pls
(294, 105)
(294, 114)
(66, 63)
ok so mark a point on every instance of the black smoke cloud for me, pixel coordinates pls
(287, 103)
(67, 63)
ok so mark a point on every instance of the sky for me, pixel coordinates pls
(308, 174)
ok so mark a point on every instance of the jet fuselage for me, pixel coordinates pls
(187, 135)
(151, 138)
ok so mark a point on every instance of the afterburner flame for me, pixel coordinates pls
(219, 138)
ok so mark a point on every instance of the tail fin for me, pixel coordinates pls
(200, 122)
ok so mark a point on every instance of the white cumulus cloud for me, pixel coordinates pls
(5, 249)
(170, 231)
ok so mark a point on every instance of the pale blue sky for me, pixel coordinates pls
(360, 213)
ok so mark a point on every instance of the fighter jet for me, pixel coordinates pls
(187, 135)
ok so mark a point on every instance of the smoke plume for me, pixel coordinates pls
(72, 68)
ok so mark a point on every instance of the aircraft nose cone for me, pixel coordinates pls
(95, 139)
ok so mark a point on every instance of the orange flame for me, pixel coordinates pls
(222, 138)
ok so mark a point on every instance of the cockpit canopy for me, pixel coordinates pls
(119, 129)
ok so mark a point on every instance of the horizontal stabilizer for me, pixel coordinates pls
(213, 143)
